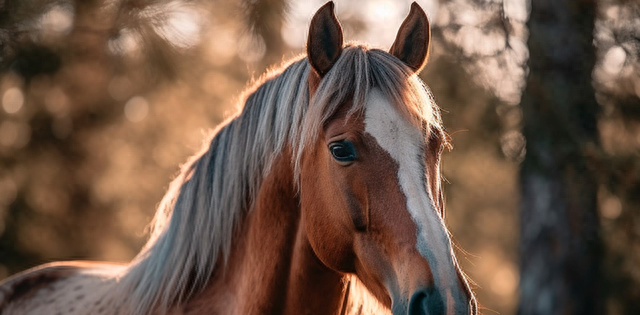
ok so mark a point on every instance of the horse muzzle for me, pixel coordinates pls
(430, 302)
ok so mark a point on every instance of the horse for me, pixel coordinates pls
(322, 195)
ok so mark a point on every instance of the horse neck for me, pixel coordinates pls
(272, 268)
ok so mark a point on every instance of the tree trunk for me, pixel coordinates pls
(560, 247)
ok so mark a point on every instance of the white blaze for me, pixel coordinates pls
(406, 144)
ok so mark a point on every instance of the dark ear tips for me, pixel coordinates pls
(415, 6)
(412, 42)
(324, 44)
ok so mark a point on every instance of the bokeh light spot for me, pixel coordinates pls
(505, 280)
(221, 47)
(126, 43)
(382, 9)
(59, 20)
(611, 207)
(180, 24)
(614, 60)
(12, 100)
(136, 109)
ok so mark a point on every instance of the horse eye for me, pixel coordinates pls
(343, 151)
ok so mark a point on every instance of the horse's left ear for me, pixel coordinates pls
(412, 42)
(324, 44)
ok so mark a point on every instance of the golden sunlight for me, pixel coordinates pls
(136, 109)
(12, 100)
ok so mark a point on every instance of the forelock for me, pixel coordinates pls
(358, 71)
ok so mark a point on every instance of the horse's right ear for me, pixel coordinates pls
(324, 44)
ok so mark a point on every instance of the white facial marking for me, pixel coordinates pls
(406, 143)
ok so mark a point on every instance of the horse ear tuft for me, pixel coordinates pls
(412, 42)
(324, 44)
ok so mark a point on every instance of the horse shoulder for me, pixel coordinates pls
(25, 291)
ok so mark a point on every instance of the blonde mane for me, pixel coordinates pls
(193, 227)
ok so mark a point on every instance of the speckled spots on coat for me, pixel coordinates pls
(85, 292)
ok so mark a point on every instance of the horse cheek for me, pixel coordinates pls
(327, 223)
(331, 245)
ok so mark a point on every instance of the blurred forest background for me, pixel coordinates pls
(101, 100)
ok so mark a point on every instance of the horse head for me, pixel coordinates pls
(370, 190)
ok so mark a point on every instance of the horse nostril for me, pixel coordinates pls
(426, 302)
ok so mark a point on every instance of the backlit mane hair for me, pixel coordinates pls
(193, 227)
